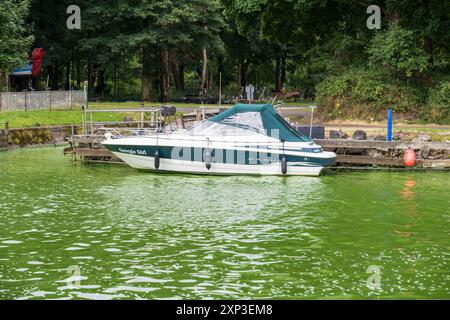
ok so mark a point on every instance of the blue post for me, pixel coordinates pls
(389, 125)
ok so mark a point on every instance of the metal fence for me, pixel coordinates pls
(41, 100)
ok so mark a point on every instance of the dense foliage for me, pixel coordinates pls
(14, 44)
(164, 49)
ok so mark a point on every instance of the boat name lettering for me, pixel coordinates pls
(133, 152)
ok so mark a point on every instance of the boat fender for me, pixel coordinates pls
(409, 158)
(157, 160)
(208, 159)
(283, 164)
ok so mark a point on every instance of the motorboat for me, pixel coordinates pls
(245, 139)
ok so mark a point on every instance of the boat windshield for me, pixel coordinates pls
(249, 120)
(245, 123)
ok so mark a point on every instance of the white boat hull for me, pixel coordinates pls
(182, 166)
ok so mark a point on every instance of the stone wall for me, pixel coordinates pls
(3, 138)
(40, 135)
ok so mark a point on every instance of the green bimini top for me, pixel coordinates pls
(262, 118)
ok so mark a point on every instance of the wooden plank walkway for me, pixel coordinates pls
(381, 145)
(348, 161)
(366, 160)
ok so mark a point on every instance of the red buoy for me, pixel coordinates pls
(410, 158)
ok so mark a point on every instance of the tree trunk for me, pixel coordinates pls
(220, 67)
(204, 69)
(95, 77)
(90, 75)
(242, 79)
(3, 80)
(181, 68)
(115, 80)
(177, 70)
(101, 83)
(48, 84)
(67, 81)
(146, 81)
(278, 73)
(238, 75)
(428, 45)
(210, 80)
(165, 76)
(55, 77)
(78, 74)
(178, 75)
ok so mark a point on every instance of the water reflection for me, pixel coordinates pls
(161, 200)
(408, 194)
(408, 191)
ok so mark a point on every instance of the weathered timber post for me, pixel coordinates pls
(311, 123)
(203, 114)
(6, 131)
(220, 88)
(198, 115)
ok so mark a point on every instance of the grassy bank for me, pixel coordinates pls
(39, 118)
(43, 118)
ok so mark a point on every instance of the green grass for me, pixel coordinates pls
(38, 118)
(22, 119)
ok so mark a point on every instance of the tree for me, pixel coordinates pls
(48, 23)
(157, 30)
(251, 52)
(398, 49)
(14, 41)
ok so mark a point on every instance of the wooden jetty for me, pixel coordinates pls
(351, 154)
(87, 147)
(393, 157)
(387, 154)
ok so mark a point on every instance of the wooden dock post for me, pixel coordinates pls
(4, 137)
(198, 116)
(92, 124)
(183, 126)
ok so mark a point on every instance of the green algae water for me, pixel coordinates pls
(110, 232)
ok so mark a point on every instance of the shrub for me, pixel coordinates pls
(366, 93)
(398, 49)
(439, 102)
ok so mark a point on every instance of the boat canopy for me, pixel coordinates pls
(247, 118)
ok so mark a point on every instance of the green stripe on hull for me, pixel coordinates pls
(218, 155)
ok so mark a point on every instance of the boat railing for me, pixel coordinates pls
(279, 108)
(154, 120)
(127, 132)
